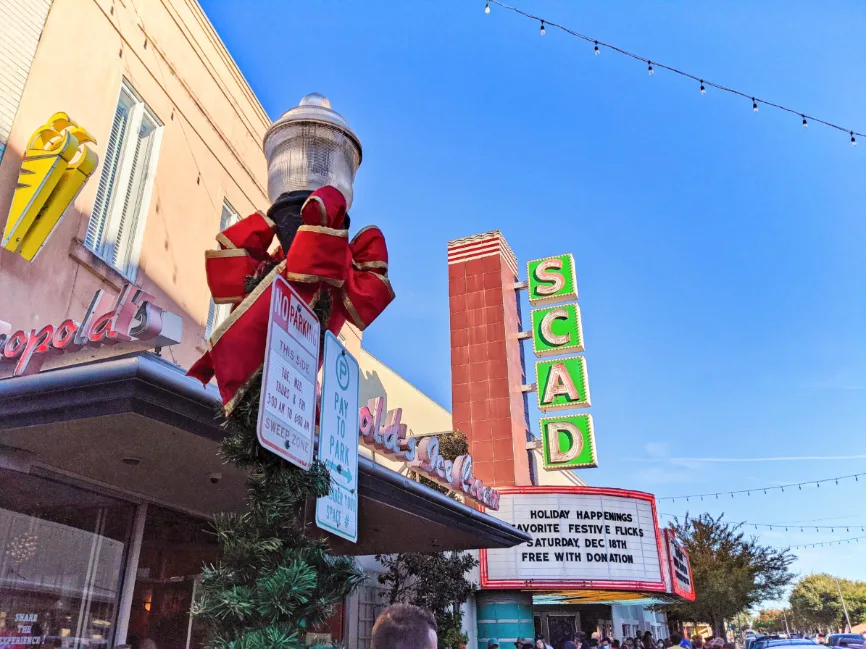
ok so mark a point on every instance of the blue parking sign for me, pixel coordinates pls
(338, 440)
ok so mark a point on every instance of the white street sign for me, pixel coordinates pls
(338, 440)
(287, 410)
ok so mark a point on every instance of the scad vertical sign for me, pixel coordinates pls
(568, 440)
(287, 411)
(338, 440)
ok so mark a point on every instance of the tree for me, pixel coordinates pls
(770, 620)
(276, 577)
(434, 580)
(815, 600)
(730, 572)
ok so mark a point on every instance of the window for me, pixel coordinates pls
(123, 193)
(370, 603)
(62, 558)
(218, 312)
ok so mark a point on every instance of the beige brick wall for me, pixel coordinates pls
(20, 30)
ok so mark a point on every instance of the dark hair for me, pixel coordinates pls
(402, 626)
(615, 644)
(676, 637)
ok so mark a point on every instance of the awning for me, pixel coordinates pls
(137, 424)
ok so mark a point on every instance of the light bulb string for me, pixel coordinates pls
(821, 544)
(764, 490)
(792, 527)
(655, 64)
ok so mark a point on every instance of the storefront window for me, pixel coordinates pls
(62, 553)
(174, 549)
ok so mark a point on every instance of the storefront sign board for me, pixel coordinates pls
(557, 330)
(338, 447)
(384, 433)
(56, 165)
(583, 537)
(552, 279)
(132, 317)
(287, 409)
(568, 442)
(562, 383)
(680, 567)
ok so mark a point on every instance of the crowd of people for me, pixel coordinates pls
(403, 626)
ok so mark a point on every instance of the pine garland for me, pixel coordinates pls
(276, 578)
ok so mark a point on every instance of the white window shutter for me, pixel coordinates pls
(108, 178)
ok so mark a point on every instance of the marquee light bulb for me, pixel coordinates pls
(487, 8)
(542, 32)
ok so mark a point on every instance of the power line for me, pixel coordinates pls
(765, 490)
(652, 66)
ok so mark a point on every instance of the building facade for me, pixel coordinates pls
(109, 470)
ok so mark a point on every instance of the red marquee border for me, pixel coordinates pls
(598, 584)
(688, 595)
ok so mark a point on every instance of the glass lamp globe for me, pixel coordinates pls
(309, 147)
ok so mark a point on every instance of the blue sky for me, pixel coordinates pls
(720, 253)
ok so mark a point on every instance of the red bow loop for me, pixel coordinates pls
(367, 290)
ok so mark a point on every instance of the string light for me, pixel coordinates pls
(805, 123)
(703, 88)
(487, 8)
(767, 489)
(821, 544)
(650, 68)
(682, 73)
(597, 51)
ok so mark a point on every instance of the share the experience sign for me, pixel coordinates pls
(338, 440)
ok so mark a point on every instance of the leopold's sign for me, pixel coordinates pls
(384, 433)
(129, 318)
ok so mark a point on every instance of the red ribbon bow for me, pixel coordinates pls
(321, 259)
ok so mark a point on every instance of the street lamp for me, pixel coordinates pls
(309, 147)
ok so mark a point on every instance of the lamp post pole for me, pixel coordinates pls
(844, 607)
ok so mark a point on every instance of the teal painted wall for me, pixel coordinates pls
(504, 615)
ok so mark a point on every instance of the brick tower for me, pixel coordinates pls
(487, 374)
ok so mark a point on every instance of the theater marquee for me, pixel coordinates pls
(582, 537)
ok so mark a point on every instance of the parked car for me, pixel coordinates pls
(845, 640)
(772, 642)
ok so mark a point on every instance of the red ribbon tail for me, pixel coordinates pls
(202, 369)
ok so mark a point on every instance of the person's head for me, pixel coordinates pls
(660, 644)
(524, 643)
(629, 643)
(615, 644)
(647, 634)
(676, 637)
(581, 636)
(403, 626)
(539, 643)
(697, 641)
(493, 643)
(605, 642)
(729, 645)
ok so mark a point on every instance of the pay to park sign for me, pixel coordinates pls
(338, 442)
(287, 410)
